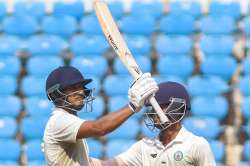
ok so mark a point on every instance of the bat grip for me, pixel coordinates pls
(158, 110)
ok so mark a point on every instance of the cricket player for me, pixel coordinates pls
(65, 133)
(175, 145)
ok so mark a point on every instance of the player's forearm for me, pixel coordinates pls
(104, 124)
(113, 120)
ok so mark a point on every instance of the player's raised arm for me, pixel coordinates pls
(140, 91)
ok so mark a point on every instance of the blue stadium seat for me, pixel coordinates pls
(244, 85)
(35, 9)
(146, 132)
(33, 127)
(191, 8)
(131, 125)
(95, 148)
(245, 107)
(154, 9)
(8, 128)
(35, 163)
(23, 26)
(164, 78)
(89, 25)
(181, 24)
(223, 25)
(181, 66)
(206, 126)
(2, 10)
(9, 45)
(60, 25)
(116, 147)
(5, 64)
(246, 24)
(217, 149)
(215, 107)
(246, 66)
(72, 8)
(8, 84)
(138, 45)
(143, 62)
(246, 150)
(38, 107)
(33, 86)
(46, 45)
(10, 150)
(223, 67)
(115, 85)
(133, 25)
(12, 106)
(96, 65)
(182, 45)
(217, 46)
(98, 108)
(34, 151)
(116, 103)
(9, 163)
(201, 86)
(83, 45)
(36, 67)
(116, 9)
(95, 85)
(218, 9)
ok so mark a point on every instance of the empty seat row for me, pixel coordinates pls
(209, 106)
(66, 26)
(81, 45)
(77, 8)
(179, 66)
(33, 85)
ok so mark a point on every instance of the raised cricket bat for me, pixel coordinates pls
(116, 40)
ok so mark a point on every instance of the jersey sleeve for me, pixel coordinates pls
(203, 154)
(66, 127)
(133, 156)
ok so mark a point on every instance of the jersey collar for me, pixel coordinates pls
(58, 110)
(181, 136)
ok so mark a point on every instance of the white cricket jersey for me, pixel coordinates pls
(186, 149)
(60, 144)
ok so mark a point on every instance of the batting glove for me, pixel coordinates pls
(141, 90)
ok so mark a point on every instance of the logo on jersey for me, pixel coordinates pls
(178, 156)
(153, 155)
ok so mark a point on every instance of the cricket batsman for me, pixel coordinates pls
(65, 133)
(175, 145)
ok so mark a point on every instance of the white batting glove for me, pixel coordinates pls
(141, 90)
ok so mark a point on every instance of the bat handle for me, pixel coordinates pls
(158, 110)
